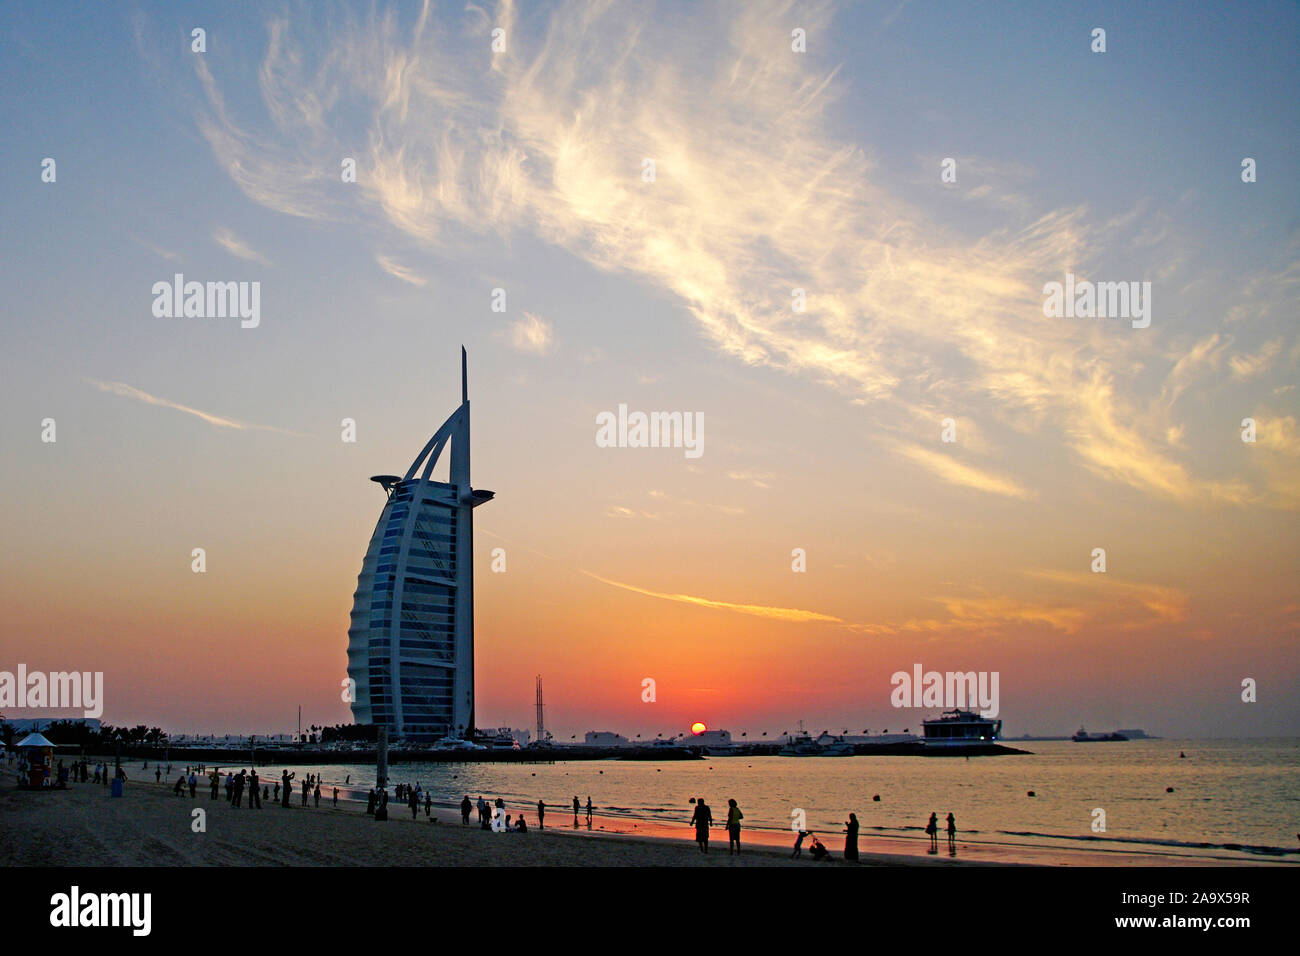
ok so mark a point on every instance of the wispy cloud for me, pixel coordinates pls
(218, 421)
(753, 196)
(757, 610)
(945, 466)
(155, 249)
(399, 271)
(237, 247)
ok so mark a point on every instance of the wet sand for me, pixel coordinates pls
(149, 826)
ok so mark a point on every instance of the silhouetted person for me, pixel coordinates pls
(734, 816)
(851, 838)
(819, 851)
(541, 815)
(576, 807)
(932, 830)
(465, 808)
(702, 817)
(952, 832)
(798, 844)
(370, 802)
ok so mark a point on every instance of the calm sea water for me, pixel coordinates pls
(1238, 796)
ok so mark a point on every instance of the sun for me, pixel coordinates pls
(698, 727)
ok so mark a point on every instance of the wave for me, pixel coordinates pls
(1152, 841)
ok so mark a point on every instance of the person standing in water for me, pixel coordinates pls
(952, 831)
(851, 838)
(588, 811)
(541, 815)
(576, 807)
(734, 816)
(932, 830)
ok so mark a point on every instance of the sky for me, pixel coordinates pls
(524, 169)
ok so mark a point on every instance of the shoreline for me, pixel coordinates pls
(150, 826)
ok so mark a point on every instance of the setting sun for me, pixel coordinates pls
(698, 727)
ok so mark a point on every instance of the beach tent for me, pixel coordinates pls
(39, 752)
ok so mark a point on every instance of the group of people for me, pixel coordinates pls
(932, 830)
(241, 783)
(494, 817)
(702, 819)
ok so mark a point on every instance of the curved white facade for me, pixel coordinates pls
(411, 639)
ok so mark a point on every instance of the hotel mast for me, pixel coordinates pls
(411, 640)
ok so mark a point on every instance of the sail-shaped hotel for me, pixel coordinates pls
(411, 641)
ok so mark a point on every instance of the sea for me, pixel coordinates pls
(1217, 799)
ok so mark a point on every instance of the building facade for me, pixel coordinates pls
(411, 639)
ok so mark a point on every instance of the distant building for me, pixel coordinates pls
(411, 641)
(605, 738)
(714, 739)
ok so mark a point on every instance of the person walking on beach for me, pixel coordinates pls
(316, 795)
(336, 798)
(541, 815)
(306, 786)
(413, 802)
(428, 804)
(214, 779)
(851, 838)
(285, 777)
(465, 808)
(576, 807)
(194, 784)
(237, 799)
(370, 802)
(588, 811)
(798, 844)
(701, 818)
(157, 774)
(734, 816)
(932, 829)
(952, 831)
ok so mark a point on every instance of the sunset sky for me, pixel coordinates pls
(522, 170)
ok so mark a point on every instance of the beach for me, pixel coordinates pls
(150, 826)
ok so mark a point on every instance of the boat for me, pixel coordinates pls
(839, 747)
(1081, 736)
(960, 728)
(800, 745)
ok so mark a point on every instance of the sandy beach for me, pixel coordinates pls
(150, 826)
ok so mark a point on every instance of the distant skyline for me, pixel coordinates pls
(791, 267)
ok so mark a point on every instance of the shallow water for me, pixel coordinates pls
(1232, 797)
